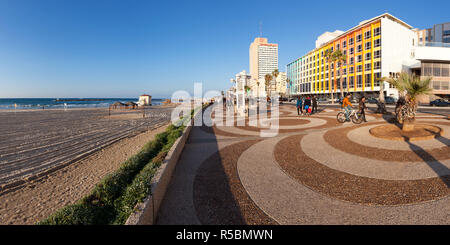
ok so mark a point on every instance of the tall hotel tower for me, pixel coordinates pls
(263, 58)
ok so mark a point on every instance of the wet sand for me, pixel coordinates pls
(51, 158)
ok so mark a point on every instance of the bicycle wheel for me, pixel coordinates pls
(340, 117)
(357, 118)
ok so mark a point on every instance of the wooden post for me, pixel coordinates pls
(143, 111)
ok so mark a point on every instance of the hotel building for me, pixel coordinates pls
(263, 58)
(379, 47)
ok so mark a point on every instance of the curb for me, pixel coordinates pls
(146, 212)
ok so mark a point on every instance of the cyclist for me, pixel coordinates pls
(347, 106)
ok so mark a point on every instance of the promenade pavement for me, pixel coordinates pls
(313, 171)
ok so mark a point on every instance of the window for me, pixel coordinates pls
(359, 68)
(436, 70)
(359, 81)
(367, 35)
(427, 69)
(376, 79)
(358, 38)
(377, 54)
(368, 45)
(377, 31)
(352, 60)
(344, 83)
(351, 51)
(331, 49)
(367, 80)
(377, 65)
(351, 83)
(344, 72)
(436, 85)
(368, 56)
(344, 44)
(352, 70)
(350, 41)
(359, 58)
(445, 70)
(359, 48)
(367, 67)
(337, 47)
(345, 52)
(377, 43)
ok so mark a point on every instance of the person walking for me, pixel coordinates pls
(299, 106)
(307, 104)
(314, 104)
(362, 107)
(347, 106)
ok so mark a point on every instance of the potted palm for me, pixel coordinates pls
(410, 87)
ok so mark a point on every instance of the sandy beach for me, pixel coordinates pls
(51, 158)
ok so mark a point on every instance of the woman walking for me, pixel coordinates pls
(362, 107)
(299, 106)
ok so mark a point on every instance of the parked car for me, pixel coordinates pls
(372, 101)
(390, 100)
(322, 100)
(439, 102)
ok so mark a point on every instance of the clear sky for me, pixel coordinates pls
(112, 48)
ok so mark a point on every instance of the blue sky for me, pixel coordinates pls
(112, 48)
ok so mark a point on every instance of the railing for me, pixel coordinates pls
(434, 44)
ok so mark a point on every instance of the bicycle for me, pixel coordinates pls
(355, 116)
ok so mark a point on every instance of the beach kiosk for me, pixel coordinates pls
(145, 99)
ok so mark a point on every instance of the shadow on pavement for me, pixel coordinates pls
(432, 162)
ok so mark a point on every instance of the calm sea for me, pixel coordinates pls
(53, 103)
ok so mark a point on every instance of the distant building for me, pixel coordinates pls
(438, 35)
(281, 83)
(263, 57)
(145, 99)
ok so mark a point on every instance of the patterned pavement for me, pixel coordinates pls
(314, 171)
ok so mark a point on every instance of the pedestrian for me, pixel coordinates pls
(347, 106)
(362, 107)
(299, 106)
(314, 104)
(307, 104)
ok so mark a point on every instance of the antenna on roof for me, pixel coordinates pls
(260, 28)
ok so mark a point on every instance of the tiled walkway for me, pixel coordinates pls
(314, 171)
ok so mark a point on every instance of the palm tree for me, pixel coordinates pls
(411, 86)
(275, 74)
(267, 78)
(341, 59)
(329, 55)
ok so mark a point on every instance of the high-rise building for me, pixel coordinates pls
(263, 58)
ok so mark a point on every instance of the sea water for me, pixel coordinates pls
(61, 103)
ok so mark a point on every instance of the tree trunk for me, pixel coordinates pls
(408, 125)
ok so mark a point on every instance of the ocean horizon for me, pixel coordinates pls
(59, 103)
